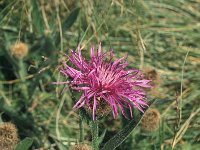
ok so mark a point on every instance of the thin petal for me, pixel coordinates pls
(94, 108)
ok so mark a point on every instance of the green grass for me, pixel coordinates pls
(159, 34)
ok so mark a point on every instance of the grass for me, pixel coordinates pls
(159, 34)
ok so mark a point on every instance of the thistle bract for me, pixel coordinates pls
(102, 78)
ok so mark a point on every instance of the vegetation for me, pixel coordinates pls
(162, 35)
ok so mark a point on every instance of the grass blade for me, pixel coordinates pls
(115, 141)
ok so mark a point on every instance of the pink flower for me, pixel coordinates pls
(107, 80)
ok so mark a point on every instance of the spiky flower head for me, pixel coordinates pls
(102, 78)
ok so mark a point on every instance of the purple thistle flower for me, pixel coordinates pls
(101, 78)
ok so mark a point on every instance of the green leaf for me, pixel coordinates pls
(71, 19)
(60, 145)
(37, 17)
(101, 137)
(24, 144)
(115, 141)
(66, 24)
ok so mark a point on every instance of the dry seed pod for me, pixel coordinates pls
(154, 76)
(151, 120)
(8, 136)
(81, 147)
(19, 50)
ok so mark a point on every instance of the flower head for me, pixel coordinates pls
(19, 50)
(102, 79)
(8, 136)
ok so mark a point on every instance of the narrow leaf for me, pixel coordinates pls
(115, 141)
(102, 137)
(66, 24)
(24, 144)
(37, 17)
(71, 19)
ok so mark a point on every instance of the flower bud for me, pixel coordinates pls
(19, 50)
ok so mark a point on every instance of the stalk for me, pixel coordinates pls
(22, 75)
(81, 129)
(95, 134)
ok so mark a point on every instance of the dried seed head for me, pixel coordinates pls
(103, 108)
(81, 147)
(8, 136)
(151, 120)
(19, 50)
(154, 76)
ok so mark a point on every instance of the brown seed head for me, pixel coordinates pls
(19, 50)
(8, 136)
(154, 76)
(151, 120)
(81, 147)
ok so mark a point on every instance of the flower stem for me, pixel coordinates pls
(1, 121)
(22, 74)
(95, 134)
(81, 129)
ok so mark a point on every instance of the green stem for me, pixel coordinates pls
(81, 129)
(95, 134)
(22, 74)
(1, 121)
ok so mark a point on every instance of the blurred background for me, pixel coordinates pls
(161, 37)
